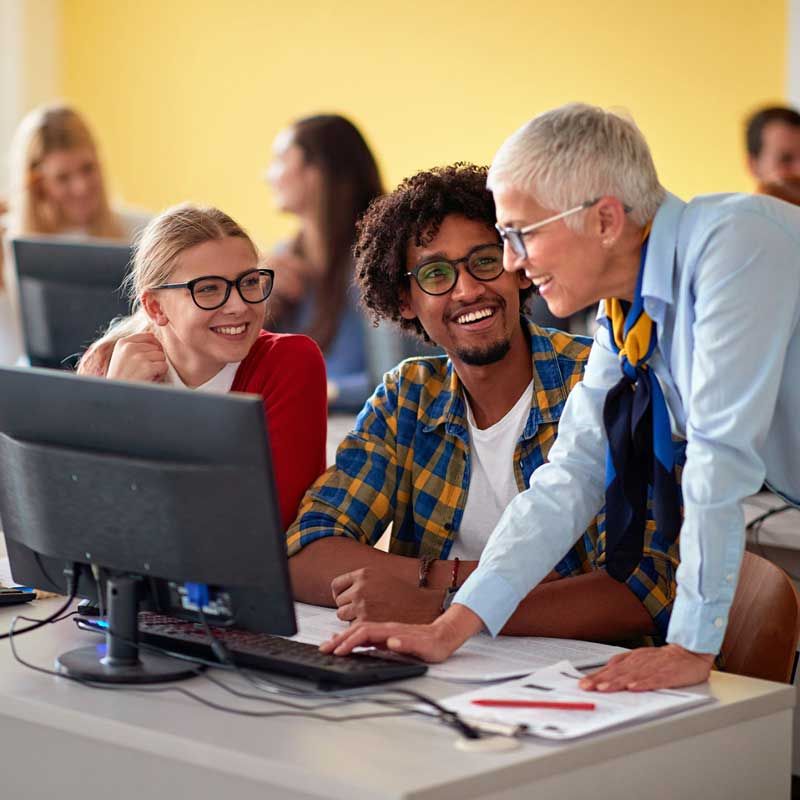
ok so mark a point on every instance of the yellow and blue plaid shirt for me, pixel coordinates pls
(407, 462)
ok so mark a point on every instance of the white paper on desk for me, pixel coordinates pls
(559, 682)
(482, 658)
(5, 573)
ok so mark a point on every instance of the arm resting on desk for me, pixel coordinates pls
(370, 585)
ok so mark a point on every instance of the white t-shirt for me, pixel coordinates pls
(492, 485)
(220, 384)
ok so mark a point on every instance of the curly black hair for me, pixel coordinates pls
(413, 213)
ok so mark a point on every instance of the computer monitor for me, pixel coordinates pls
(155, 489)
(68, 293)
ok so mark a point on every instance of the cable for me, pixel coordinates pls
(446, 716)
(181, 690)
(54, 617)
(332, 700)
(754, 526)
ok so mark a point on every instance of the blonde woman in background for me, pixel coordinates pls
(199, 291)
(56, 189)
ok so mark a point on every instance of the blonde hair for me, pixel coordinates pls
(43, 131)
(576, 153)
(155, 257)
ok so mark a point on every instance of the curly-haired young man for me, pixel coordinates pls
(445, 443)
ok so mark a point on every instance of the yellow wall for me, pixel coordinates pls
(186, 95)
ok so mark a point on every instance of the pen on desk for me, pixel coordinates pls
(551, 704)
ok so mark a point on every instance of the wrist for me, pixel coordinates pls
(457, 624)
(707, 657)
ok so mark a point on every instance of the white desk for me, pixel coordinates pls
(61, 739)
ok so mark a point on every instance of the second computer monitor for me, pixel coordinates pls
(68, 293)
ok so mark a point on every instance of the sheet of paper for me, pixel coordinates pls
(5, 573)
(559, 682)
(481, 658)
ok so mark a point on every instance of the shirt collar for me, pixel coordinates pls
(660, 263)
(448, 408)
(219, 384)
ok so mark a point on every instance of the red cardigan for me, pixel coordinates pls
(288, 371)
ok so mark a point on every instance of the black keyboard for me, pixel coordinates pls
(262, 651)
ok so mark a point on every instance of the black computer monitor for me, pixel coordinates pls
(154, 489)
(68, 293)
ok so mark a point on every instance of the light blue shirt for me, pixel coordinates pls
(722, 283)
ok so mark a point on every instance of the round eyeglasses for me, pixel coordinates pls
(213, 291)
(515, 237)
(439, 275)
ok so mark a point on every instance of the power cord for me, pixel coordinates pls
(72, 590)
(444, 715)
(754, 526)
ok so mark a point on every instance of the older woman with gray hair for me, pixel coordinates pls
(701, 313)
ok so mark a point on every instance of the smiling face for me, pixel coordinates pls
(69, 181)
(200, 343)
(477, 322)
(568, 267)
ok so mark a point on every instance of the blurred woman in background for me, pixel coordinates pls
(57, 188)
(323, 172)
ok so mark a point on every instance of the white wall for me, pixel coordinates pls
(30, 62)
(793, 54)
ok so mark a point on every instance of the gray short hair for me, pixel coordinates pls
(578, 152)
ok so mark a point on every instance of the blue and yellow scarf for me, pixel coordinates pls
(640, 451)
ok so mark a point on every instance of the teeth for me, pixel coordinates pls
(473, 316)
(230, 330)
(540, 281)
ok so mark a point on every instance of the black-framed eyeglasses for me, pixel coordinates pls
(439, 275)
(212, 291)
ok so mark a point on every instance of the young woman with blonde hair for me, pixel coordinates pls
(56, 188)
(199, 289)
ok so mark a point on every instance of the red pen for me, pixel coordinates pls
(553, 704)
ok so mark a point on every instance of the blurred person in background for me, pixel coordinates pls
(323, 172)
(772, 137)
(57, 189)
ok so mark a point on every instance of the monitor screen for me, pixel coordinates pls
(68, 293)
(166, 486)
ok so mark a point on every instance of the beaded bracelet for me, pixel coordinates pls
(424, 568)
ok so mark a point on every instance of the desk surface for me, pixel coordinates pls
(135, 742)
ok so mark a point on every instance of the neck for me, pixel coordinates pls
(622, 270)
(495, 388)
(192, 369)
(313, 243)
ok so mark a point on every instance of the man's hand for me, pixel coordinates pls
(139, 357)
(433, 643)
(375, 595)
(651, 668)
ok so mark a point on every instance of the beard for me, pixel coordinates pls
(483, 356)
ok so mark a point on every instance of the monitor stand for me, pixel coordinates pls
(119, 660)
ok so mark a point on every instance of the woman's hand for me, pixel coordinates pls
(139, 357)
(292, 276)
(433, 643)
(651, 668)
